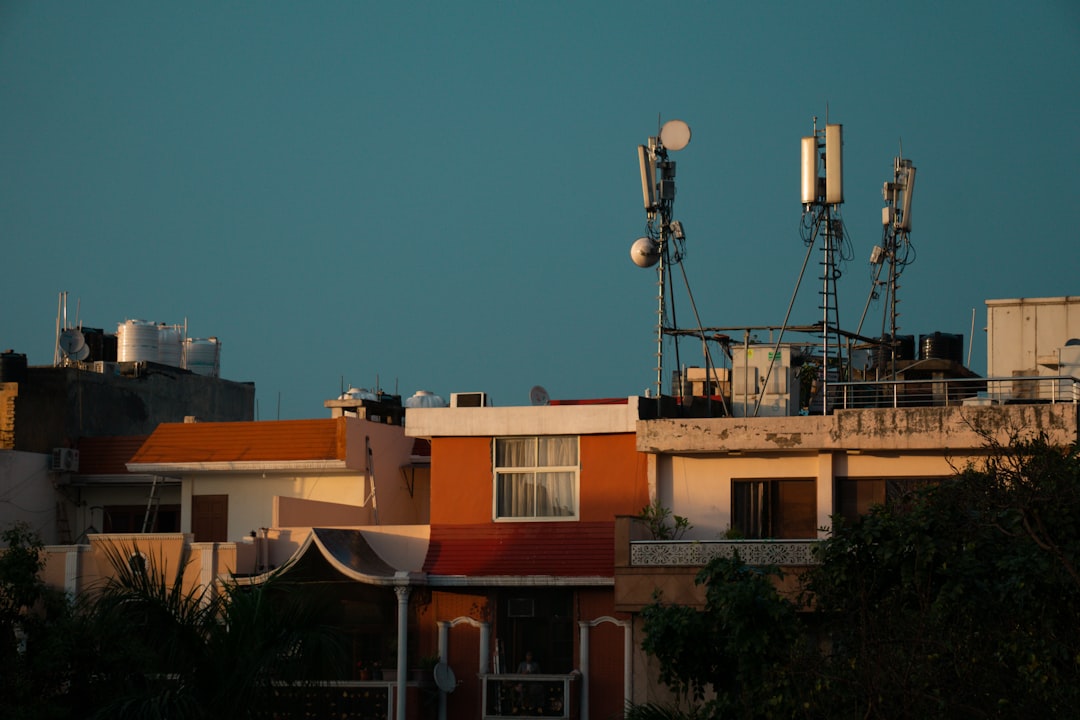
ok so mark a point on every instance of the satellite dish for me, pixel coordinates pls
(72, 341)
(645, 252)
(539, 396)
(81, 354)
(444, 678)
(675, 135)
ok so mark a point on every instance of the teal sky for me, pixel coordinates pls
(442, 196)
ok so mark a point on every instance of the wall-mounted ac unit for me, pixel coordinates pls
(468, 399)
(64, 460)
(521, 608)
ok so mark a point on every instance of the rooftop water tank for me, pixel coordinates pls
(170, 345)
(424, 399)
(136, 341)
(12, 367)
(942, 346)
(202, 356)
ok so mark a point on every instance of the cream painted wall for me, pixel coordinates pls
(698, 487)
(251, 495)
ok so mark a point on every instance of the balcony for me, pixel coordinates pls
(644, 566)
(511, 695)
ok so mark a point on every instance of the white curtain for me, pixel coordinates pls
(534, 491)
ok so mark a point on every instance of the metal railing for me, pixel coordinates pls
(671, 553)
(1026, 390)
(516, 695)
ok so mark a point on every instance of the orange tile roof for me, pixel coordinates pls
(107, 455)
(563, 549)
(277, 440)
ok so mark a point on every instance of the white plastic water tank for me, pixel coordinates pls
(170, 345)
(424, 399)
(136, 341)
(202, 356)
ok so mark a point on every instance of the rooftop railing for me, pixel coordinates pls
(1027, 390)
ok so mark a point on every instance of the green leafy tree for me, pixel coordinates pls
(739, 646)
(960, 601)
(196, 653)
(35, 635)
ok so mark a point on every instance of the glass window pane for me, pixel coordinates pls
(558, 451)
(515, 452)
(555, 494)
(516, 494)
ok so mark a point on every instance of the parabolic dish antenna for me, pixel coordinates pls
(675, 135)
(444, 678)
(645, 252)
(539, 396)
(72, 341)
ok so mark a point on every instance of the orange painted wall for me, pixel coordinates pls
(614, 479)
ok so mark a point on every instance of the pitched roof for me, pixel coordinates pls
(108, 455)
(218, 444)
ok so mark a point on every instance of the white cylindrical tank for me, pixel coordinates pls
(424, 399)
(202, 356)
(136, 341)
(170, 345)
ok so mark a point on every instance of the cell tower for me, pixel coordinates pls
(822, 194)
(895, 250)
(663, 244)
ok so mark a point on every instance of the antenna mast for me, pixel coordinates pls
(657, 246)
(822, 195)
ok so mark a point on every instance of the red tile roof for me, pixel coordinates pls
(563, 549)
(278, 440)
(108, 455)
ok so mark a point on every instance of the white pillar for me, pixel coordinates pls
(583, 662)
(71, 571)
(444, 649)
(402, 592)
(485, 647)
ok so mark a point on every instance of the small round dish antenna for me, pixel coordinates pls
(539, 396)
(72, 341)
(645, 252)
(675, 135)
(444, 678)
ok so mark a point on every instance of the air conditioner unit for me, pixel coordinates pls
(521, 608)
(64, 460)
(468, 399)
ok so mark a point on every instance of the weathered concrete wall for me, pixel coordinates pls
(922, 428)
(56, 406)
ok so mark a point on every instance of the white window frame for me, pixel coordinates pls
(499, 471)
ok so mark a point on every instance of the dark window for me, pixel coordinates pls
(855, 496)
(785, 509)
(132, 519)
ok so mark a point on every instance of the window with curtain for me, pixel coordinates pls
(536, 478)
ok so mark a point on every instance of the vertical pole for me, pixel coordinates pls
(628, 662)
(660, 269)
(402, 592)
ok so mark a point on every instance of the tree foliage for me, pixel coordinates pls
(142, 646)
(737, 648)
(960, 600)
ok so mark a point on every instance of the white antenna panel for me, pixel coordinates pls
(809, 170)
(648, 177)
(834, 164)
